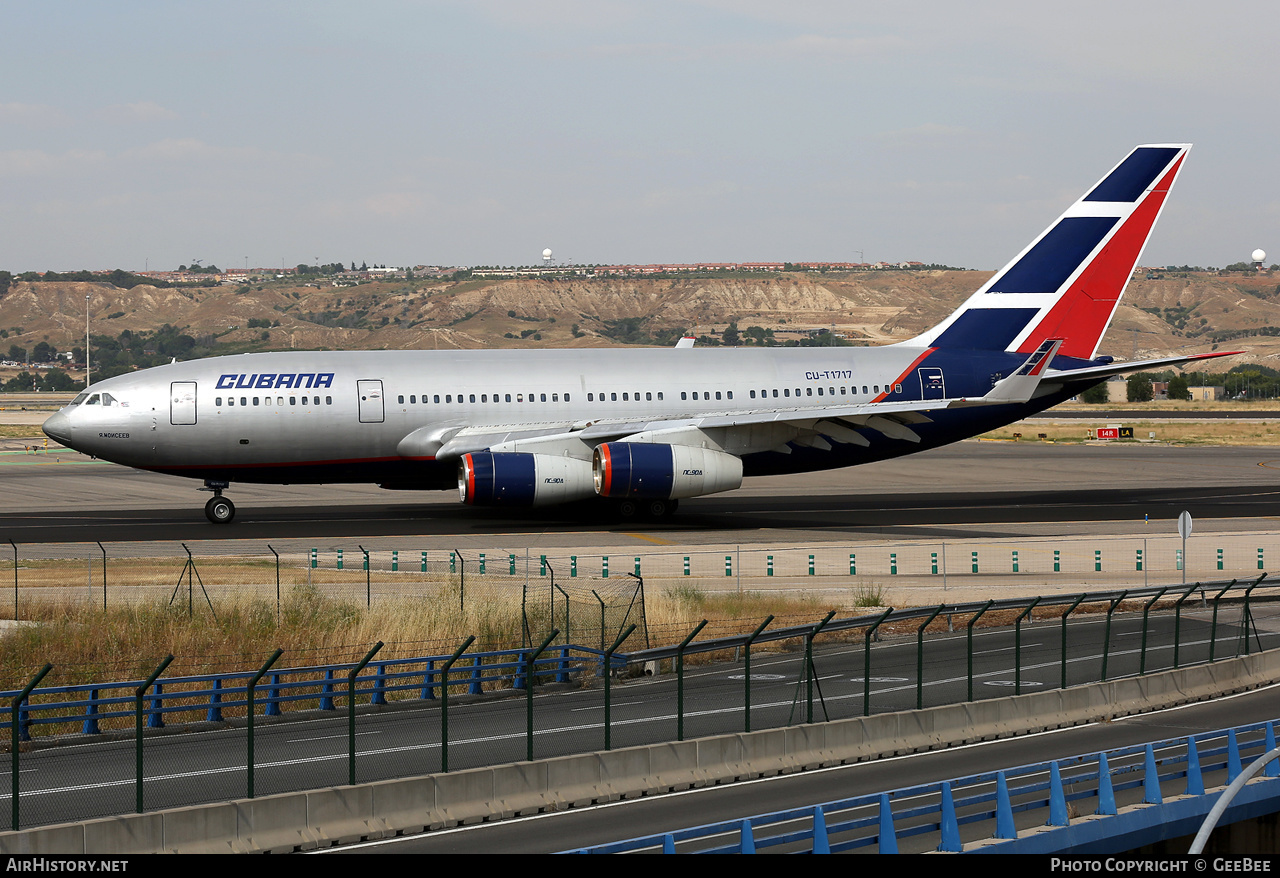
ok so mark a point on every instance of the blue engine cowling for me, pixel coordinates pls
(516, 479)
(640, 469)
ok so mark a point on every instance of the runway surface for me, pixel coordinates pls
(970, 489)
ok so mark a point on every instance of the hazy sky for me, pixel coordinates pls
(156, 133)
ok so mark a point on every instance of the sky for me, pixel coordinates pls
(152, 134)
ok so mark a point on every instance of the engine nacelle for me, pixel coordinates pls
(519, 479)
(640, 469)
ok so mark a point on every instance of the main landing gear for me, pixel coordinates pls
(219, 509)
(652, 509)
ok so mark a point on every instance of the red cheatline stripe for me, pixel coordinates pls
(905, 373)
(296, 463)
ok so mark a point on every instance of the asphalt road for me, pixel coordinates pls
(83, 778)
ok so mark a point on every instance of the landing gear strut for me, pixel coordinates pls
(219, 509)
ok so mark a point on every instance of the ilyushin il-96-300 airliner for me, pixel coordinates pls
(643, 428)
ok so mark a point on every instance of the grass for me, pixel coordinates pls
(1243, 433)
(86, 643)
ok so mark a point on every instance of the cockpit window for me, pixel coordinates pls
(96, 399)
(108, 399)
(79, 398)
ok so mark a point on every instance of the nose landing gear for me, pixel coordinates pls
(219, 509)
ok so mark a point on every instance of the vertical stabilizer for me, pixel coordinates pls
(1067, 282)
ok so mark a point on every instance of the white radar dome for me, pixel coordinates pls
(546, 254)
(1259, 255)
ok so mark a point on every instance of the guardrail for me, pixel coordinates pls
(206, 697)
(1006, 811)
(52, 715)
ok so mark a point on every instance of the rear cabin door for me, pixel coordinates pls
(371, 409)
(182, 403)
(932, 385)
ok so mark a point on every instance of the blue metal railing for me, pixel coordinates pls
(208, 695)
(999, 798)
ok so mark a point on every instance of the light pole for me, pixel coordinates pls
(86, 340)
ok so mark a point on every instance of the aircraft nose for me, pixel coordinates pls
(58, 428)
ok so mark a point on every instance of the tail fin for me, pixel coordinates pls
(1067, 282)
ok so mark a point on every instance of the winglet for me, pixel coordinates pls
(686, 342)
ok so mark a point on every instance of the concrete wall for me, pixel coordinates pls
(306, 820)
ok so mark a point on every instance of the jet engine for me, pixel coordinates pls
(521, 479)
(639, 469)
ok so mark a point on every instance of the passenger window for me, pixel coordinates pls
(808, 391)
(785, 392)
(897, 388)
(648, 396)
(328, 400)
(400, 399)
(542, 397)
(436, 398)
(591, 397)
(217, 401)
(473, 397)
(508, 397)
(566, 397)
(280, 401)
(753, 394)
(717, 394)
(684, 394)
(613, 397)
(775, 393)
(730, 394)
(484, 397)
(255, 400)
(555, 397)
(819, 391)
(625, 398)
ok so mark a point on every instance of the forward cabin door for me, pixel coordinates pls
(182, 402)
(371, 408)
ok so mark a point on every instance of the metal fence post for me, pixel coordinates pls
(1146, 612)
(808, 661)
(1017, 646)
(747, 668)
(608, 662)
(920, 655)
(530, 659)
(1064, 638)
(15, 724)
(680, 677)
(969, 641)
(866, 663)
(249, 714)
(351, 710)
(444, 702)
(137, 713)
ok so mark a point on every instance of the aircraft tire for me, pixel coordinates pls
(659, 509)
(220, 510)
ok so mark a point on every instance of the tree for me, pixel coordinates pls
(1098, 393)
(1178, 388)
(1138, 388)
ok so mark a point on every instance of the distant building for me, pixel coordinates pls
(1210, 394)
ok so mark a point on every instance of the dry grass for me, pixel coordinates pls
(86, 644)
(1212, 432)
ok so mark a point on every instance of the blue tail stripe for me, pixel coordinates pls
(986, 329)
(1135, 174)
(1055, 256)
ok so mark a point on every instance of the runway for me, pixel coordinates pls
(972, 489)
